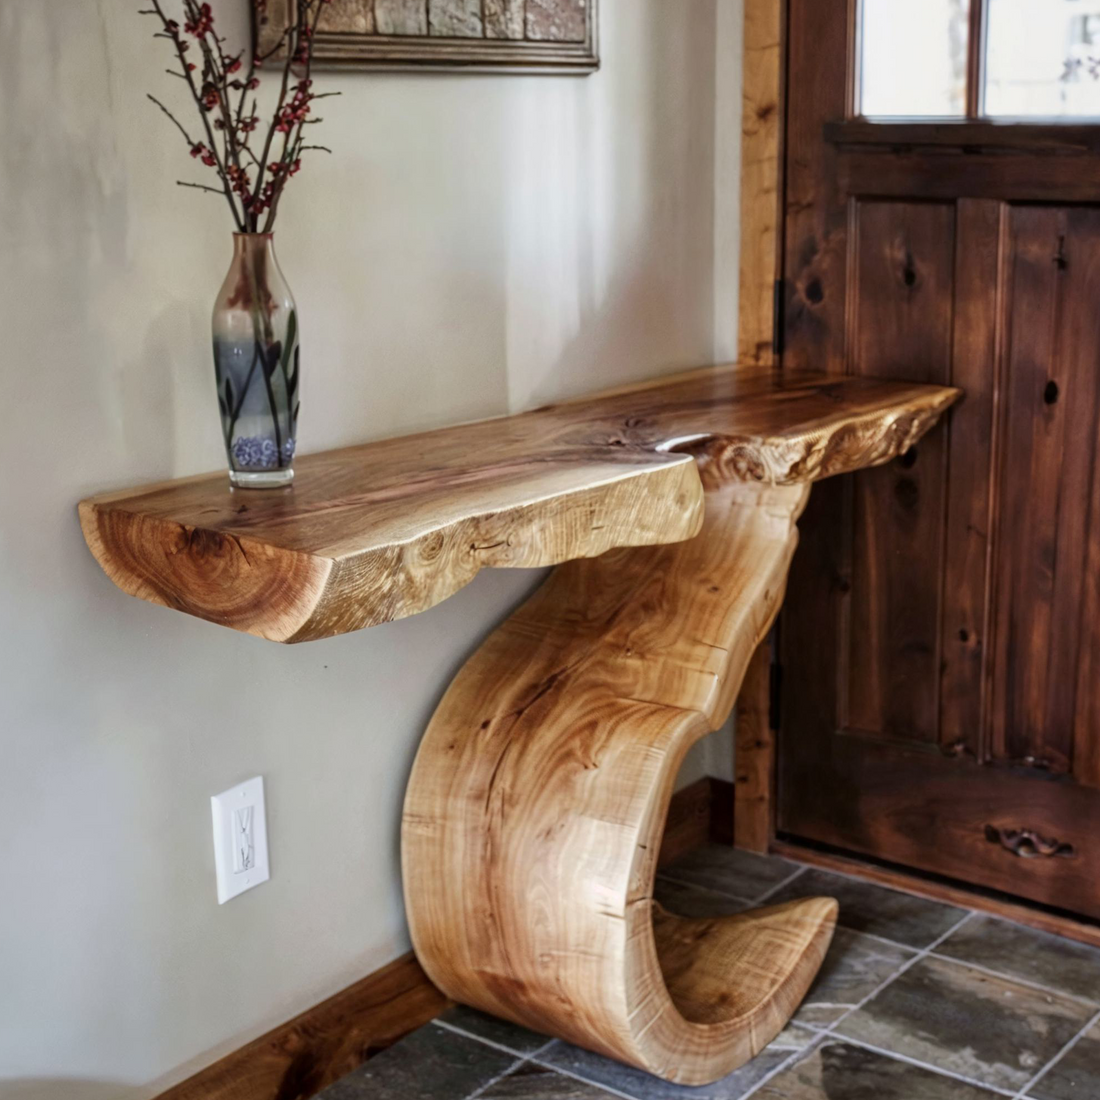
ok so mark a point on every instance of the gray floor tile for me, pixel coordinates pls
(951, 1017)
(430, 1064)
(502, 1032)
(839, 1071)
(644, 1086)
(854, 968)
(686, 900)
(865, 907)
(1076, 1076)
(1025, 953)
(729, 871)
(531, 1082)
(965, 1021)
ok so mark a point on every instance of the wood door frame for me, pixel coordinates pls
(763, 110)
(763, 117)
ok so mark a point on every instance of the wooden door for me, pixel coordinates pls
(940, 647)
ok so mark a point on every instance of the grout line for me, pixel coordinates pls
(900, 970)
(811, 1037)
(584, 1080)
(749, 902)
(488, 1042)
(740, 899)
(910, 1061)
(775, 889)
(908, 947)
(908, 892)
(493, 1080)
(832, 1033)
(822, 1004)
(1089, 1001)
(796, 1056)
(1022, 1094)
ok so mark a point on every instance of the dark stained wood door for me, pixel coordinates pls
(940, 645)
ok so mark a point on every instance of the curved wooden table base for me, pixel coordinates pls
(536, 805)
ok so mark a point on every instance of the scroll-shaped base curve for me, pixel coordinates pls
(535, 809)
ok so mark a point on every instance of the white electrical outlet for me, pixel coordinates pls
(240, 838)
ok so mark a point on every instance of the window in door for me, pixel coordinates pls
(979, 59)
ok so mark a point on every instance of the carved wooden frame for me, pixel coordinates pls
(397, 53)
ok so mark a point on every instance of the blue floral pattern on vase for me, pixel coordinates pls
(254, 453)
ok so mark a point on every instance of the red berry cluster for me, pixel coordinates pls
(221, 84)
(295, 112)
(201, 22)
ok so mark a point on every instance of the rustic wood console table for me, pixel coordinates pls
(535, 809)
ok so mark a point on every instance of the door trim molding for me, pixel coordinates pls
(1035, 916)
(763, 186)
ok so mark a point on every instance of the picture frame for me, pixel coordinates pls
(515, 36)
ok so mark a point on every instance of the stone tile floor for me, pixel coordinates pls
(916, 1001)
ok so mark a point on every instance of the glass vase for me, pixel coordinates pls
(255, 328)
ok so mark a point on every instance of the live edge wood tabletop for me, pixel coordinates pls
(534, 812)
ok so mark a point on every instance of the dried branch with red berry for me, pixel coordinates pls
(251, 176)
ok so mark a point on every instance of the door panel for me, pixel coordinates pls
(964, 607)
(903, 288)
(815, 225)
(1049, 454)
(940, 641)
(936, 814)
(1086, 741)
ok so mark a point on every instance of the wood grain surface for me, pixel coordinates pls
(534, 813)
(377, 532)
(761, 182)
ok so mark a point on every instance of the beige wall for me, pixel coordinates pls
(476, 244)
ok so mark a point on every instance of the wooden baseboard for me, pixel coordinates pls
(722, 826)
(301, 1057)
(697, 814)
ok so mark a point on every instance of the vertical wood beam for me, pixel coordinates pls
(761, 128)
(762, 115)
(754, 757)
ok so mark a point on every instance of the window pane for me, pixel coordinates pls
(1043, 58)
(913, 58)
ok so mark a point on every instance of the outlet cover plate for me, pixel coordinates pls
(240, 838)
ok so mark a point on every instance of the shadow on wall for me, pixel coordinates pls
(67, 1088)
